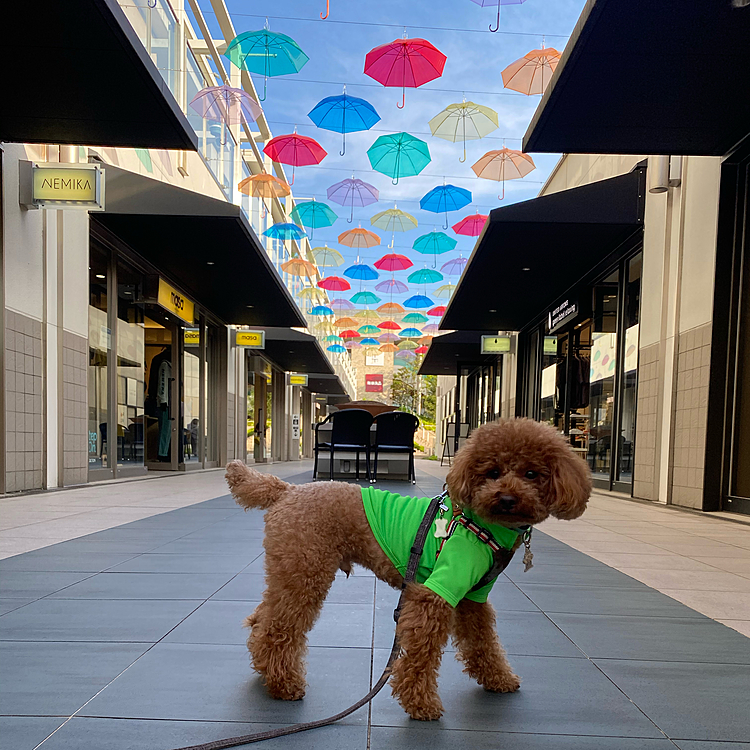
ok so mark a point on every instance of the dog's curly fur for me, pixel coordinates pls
(511, 472)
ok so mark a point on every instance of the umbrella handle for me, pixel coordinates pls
(149, 4)
(403, 99)
(351, 217)
(265, 84)
(291, 182)
(328, 10)
(343, 144)
(498, 18)
(445, 226)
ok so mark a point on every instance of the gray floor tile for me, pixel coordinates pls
(116, 734)
(94, 620)
(21, 584)
(184, 563)
(688, 701)
(434, 736)
(655, 638)
(58, 678)
(93, 544)
(146, 586)
(557, 696)
(126, 534)
(545, 558)
(8, 605)
(201, 547)
(26, 732)
(600, 600)
(581, 575)
(702, 745)
(79, 561)
(508, 597)
(216, 683)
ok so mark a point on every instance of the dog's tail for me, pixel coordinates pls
(251, 489)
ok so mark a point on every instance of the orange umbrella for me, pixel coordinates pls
(502, 165)
(346, 323)
(359, 238)
(388, 348)
(299, 267)
(531, 73)
(264, 186)
(391, 307)
(425, 340)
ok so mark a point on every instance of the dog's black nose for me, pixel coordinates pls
(507, 502)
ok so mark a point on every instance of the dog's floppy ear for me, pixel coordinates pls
(569, 485)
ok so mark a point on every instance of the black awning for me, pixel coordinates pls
(203, 244)
(295, 351)
(329, 385)
(451, 349)
(94, 83)
(649, 77)
(531, 253)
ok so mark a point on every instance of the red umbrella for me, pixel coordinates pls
(405, 63)
(393, 262)
(421, 350)
(349, 334)
(389, 325)
(471, 226)
(335, 284)
(294, 149)
(436, 312)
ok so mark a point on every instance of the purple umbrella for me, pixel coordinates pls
(454, 266)
(391, 286)
(341, 304)
(353, 192)
(430, 328)
(225, 104)
(388, 338)
(486, 3)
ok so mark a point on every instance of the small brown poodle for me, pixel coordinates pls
(509, 474)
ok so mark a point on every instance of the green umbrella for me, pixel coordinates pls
(425, 276)
(365, 298)
(399, 155)
(313, 214)
(368, 330)
(414, 317)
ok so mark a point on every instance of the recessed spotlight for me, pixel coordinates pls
(492, 311)
(526, 269)
(210, 263)
(249, 307)
(127, 292)
(100, 276)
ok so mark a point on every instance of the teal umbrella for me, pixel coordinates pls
(321, 310)
(333, 339)
(369, 330)
(337, 348)
(313, 214)
(410, 333)
(365, 298)
(266, 53)
(425, 276)
(285, 232)
(414, 317)
(434, 243)
(399, 155)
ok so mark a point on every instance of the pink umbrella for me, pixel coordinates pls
(393, 262)
(471, 226)
(334, 284)
(294, 149)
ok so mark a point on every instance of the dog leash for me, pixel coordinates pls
(411, 572)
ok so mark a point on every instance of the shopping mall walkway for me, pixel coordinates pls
(130, 636)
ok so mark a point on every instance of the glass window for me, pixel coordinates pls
(191, 395)
(99, 352)
(552, 391)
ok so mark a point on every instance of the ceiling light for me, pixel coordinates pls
(492, 311)
(209, 263)
(100, 276)
(249, 307)
(526, 269)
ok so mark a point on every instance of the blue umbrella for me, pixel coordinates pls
(336, 348)
(285, 232)
(410, 333)
(417, 301)
(321, 310)
(361, 271)
(344, 114)
(369, 342)
(444, 198)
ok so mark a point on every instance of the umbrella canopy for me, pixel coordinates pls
(349, 334)
(367, 315)
(334, 339)
(299, 267)
(392, 286)
(312, 293)
(334, 284)
(344, 114)
(437, 312)
(225, 104)
(353, 192)
(415, 317)
(421, 350)
(464, 121)
(296, 150)
(430, 328)
(418, 301)
(492, 3)
(266, 53)
(352, 344)
(368, 330)
(359, 238)
(471, 226)
(444, 291)
(369, 342)
(434, 243)
(387, 348)
(531, 73)
(264, 186)
(346, 323)
(285, 231)
(324, 328)
(399, 155)
(341, 304)
(313, 214)
(361, 271)
(394, 220)
(365, 298)
(425, 340)
(389, 325)
(388, 338)
(404, 356)
(444, 198)
(393, 262)
(406, 345)
(337, 348)
(321, 310)
(405, 63)
(454, 266)
(390, 307)
(327, 257)
(425, 276)
(503, 164)
(410, 333)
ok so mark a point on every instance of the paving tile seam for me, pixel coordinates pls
(417, 727)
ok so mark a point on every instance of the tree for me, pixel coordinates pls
(414, 393)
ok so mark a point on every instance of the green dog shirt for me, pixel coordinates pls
(463, 560)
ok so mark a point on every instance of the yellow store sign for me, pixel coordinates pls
(192, 336)
(61, 186)
(175, 302)
(495, 344)
(251, 339)
(298, 380)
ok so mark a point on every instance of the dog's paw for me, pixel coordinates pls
(285, 691)
(505, 683)
(425, 710)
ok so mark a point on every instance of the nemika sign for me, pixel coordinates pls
(61, 186)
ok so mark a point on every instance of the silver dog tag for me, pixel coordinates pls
(441, 528)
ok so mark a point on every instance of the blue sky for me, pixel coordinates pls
(337, 48)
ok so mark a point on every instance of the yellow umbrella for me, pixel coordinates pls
(464, 121)
(367, 315)
(531, 73)
(444, 291)
(394, 220)
(324, 328)
(406, 344)
(314, 293)
(299, 267)
(503, 164)
(327, 257)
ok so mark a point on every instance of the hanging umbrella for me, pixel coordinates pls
(353, 192)
(299, 267)
(367, 315)
(393, 262)
(361, 271)
(334, 284)
(488, 3)
(425, 276)
(425, 340)
(313, 293)
(389, 325)
(405, 63)
(444, 291)
(471, 226)
(398, 155)
(313, 214)
(368, 330)
(297, 150)
(388, 338)
(346, 322)
(387, 348)
(394, 220)
(286, 231)
(464, 121)
(334, 339)
(264, 186)
(531, 73)
(414, 317)
(337, 348)
(391, 286)
(349, 334)
(341, 304)
(410, 333)
(351, 344)
(327, 257)
(421, 350)
(359, 238)
(390, 307)
(456, 265)
(406, 345)
(418, 301)
(266, 53)
(365, 298)
(437, 312)
(344, 114)
(227, 105)
(369, 342)
(404, 356)
(321, 310)
(434, 243)
(504, 164)
(444, 198)
(324, 328)
(430, 328)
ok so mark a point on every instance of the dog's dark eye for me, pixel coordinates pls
(531, 474)
(493, 474)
